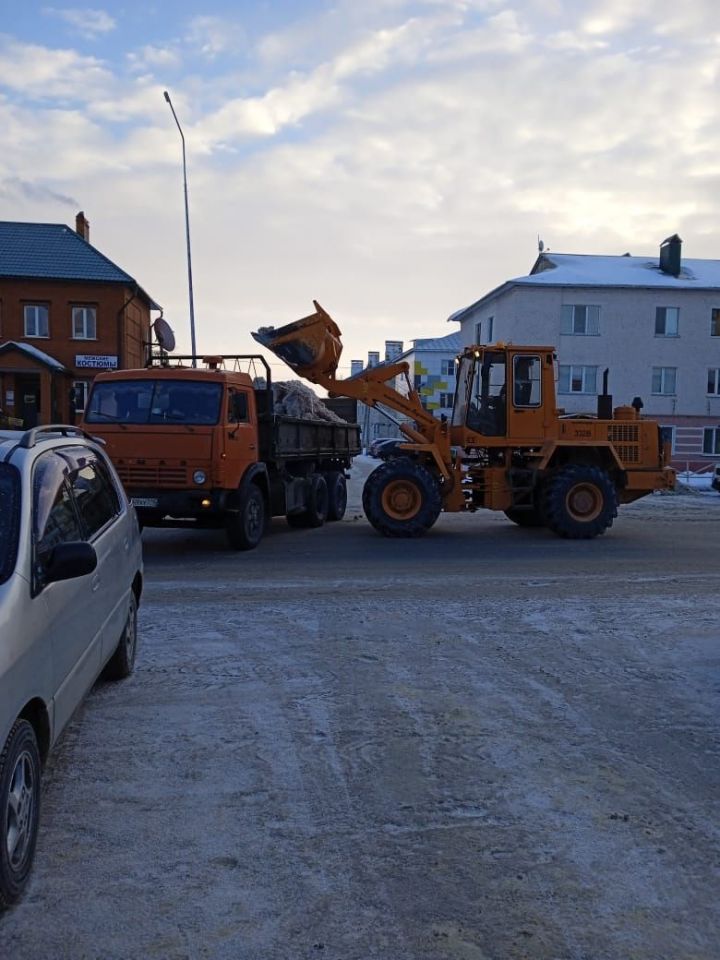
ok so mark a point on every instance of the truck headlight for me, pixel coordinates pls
(199, 476)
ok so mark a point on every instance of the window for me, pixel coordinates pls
(83, 323)
(238, 409)
(526, 381)
(576, 379)
(580, 320)
(447, 368)
(490, 324)
(668, 433)
(715, 322)
(154, 401)
(446, 399)
(80, 388)
(478, 332)
(711, 441)
(36, 320)
(663, 380)
(666, 321)
(713, 382)
(95, 495)
(54, 516)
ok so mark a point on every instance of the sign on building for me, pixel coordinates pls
(103, 363)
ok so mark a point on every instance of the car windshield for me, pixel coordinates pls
(154, 401)
(9, 519)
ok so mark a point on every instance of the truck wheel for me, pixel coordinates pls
(401, 498)
(246, 527)
(19, 809)
(526, 518)
(337, 495)
(580, 502)
(316, 512)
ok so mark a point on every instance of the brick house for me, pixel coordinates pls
(653, 322)
(66, 313)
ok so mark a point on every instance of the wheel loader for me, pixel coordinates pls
(506, 446)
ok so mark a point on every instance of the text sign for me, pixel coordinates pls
(107, 363)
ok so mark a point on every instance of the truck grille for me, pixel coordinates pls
(625, 437)
(151, 475)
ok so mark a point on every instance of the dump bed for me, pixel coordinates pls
(294, 438)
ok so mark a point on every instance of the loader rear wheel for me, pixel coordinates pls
(526, 518)
(337, 495)
(402, 498)
(580, 502)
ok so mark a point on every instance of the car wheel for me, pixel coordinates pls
(19, 810)
(122, 663)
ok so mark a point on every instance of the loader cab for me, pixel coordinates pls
(500, 391)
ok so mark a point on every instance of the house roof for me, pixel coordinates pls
(452, 343)
(38, 355)
(54, 251)
(584, 270)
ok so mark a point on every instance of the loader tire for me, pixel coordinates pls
(337, 495)
(579, 502)
(245, 528)
(526, 518)
(401, 498)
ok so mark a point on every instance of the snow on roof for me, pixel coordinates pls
(29, 350)
(586, 270)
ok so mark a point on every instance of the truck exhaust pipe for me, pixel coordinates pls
(310, 346)
(605, 400)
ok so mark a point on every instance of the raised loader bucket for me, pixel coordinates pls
(310, 346)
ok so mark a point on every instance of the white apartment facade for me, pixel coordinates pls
(653, 323)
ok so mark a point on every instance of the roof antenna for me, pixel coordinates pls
(541, 245)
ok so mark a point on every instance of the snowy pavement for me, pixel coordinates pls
(486, 744)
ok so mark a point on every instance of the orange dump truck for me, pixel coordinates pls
(203, 446)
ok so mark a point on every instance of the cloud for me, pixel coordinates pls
(36, 71)
(151, 58)
(212, 36)
(87, 22)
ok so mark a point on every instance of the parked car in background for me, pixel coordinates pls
(379, 442)
(70, 584)
(715, 482)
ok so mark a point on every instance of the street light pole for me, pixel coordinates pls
(187, 234)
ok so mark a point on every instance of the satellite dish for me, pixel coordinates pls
(164, 335)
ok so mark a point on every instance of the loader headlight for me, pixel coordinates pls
(199, 476)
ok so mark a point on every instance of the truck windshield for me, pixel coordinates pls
(9, 519)
(154, 401)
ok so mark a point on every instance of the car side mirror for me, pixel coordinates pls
(76, 558)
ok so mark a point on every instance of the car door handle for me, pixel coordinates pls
(95, 583)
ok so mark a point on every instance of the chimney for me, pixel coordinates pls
(373, 358)
(356, 366)
(670, 255)
(82, 226)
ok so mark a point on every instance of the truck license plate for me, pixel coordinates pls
(144, 501)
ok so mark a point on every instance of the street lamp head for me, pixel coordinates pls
(166, 95)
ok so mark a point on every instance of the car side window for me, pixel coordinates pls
(55, 519)
(95, 495)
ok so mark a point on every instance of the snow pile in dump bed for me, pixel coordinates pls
(293, 399)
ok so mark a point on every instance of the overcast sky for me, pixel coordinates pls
(393, 159)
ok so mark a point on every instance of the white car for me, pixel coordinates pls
(70, 583)
(715, 482)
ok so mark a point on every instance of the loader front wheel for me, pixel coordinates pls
(401, 498)
(580, 502)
